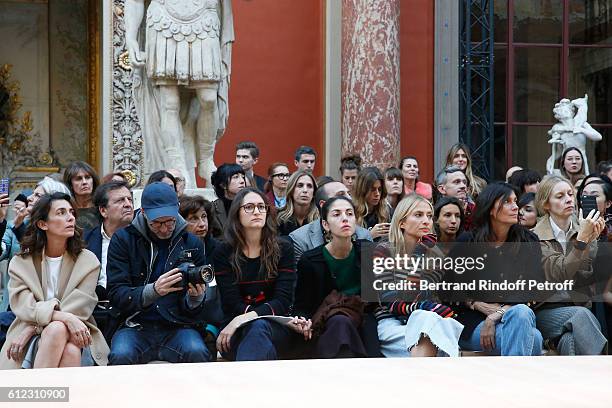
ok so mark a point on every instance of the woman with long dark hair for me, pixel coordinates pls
(329, 279)
(459, 155)
(394, 183)
(82, 181)
(528, 215)
(448, 221)
(256, 276)
(300, 208)
(370, 202)
(497, 322)
(571, 165)
(52, 293)
(409, 166)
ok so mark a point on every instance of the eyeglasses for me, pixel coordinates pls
(250, 208)
(282, 176)
(159, 224)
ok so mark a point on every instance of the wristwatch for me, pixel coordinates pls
(580, 245)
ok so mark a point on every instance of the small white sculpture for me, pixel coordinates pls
(181, 81)
(572, 131)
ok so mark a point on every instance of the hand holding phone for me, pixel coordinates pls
(588, 203)
(4, 186)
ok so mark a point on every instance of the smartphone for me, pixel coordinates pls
(588, 203)
(4, 186)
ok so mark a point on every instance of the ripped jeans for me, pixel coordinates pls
(396, 339)
(515, 335)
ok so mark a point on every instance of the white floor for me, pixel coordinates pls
(378, 383)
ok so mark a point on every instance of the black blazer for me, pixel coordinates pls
(315, 281)
(93, 238)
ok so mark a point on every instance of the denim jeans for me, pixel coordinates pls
(258, 340)
(515, 334)
(142, 345)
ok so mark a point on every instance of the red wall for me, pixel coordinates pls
(277, 86)
(417, 83)
(277, 94)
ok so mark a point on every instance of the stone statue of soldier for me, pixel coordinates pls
(181, 80)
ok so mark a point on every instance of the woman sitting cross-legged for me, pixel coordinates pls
(256, 276)
(498, 322)
(52, 293)
(329, 285)
(414, 325)
(569, 248)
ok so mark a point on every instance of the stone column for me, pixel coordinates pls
(371, 80)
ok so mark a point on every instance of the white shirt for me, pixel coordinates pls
(560, 235)
(105, 242)
(54, 266)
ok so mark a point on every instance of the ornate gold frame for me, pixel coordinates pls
(93, 79)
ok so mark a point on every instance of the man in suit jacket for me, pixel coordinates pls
(311, 235)
(247, 155)
(114, 203)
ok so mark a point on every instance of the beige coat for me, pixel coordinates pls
(76, 295)
(559, 266)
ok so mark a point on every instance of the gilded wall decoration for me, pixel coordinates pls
(127, 134)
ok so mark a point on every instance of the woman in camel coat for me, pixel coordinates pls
(52, 293)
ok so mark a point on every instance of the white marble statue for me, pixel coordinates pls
(181, 80)
(571, 131)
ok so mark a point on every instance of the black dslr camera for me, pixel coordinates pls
(191, 273)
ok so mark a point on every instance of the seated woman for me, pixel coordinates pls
(300, 208)
(228, 180)
(200, 221)
(406, 326)
(409, 166)
(276, 187)
(394, 183)
(52, 293)
(256, 277)
(82, 180)
(571, 165)
(602, 191)
(569, 246)
(350, 166)
(371, 208)
(528, 215)
(459, 155)
(448, 221)
(492, 323)
(333, 269)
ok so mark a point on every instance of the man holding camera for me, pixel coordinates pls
(149, 281)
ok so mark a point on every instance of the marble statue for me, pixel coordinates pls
(181, 81)
(571, 131)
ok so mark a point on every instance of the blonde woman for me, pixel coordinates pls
(300, 208)
(569, 246)
(459, 155)
(371, 207)
(410, 326)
